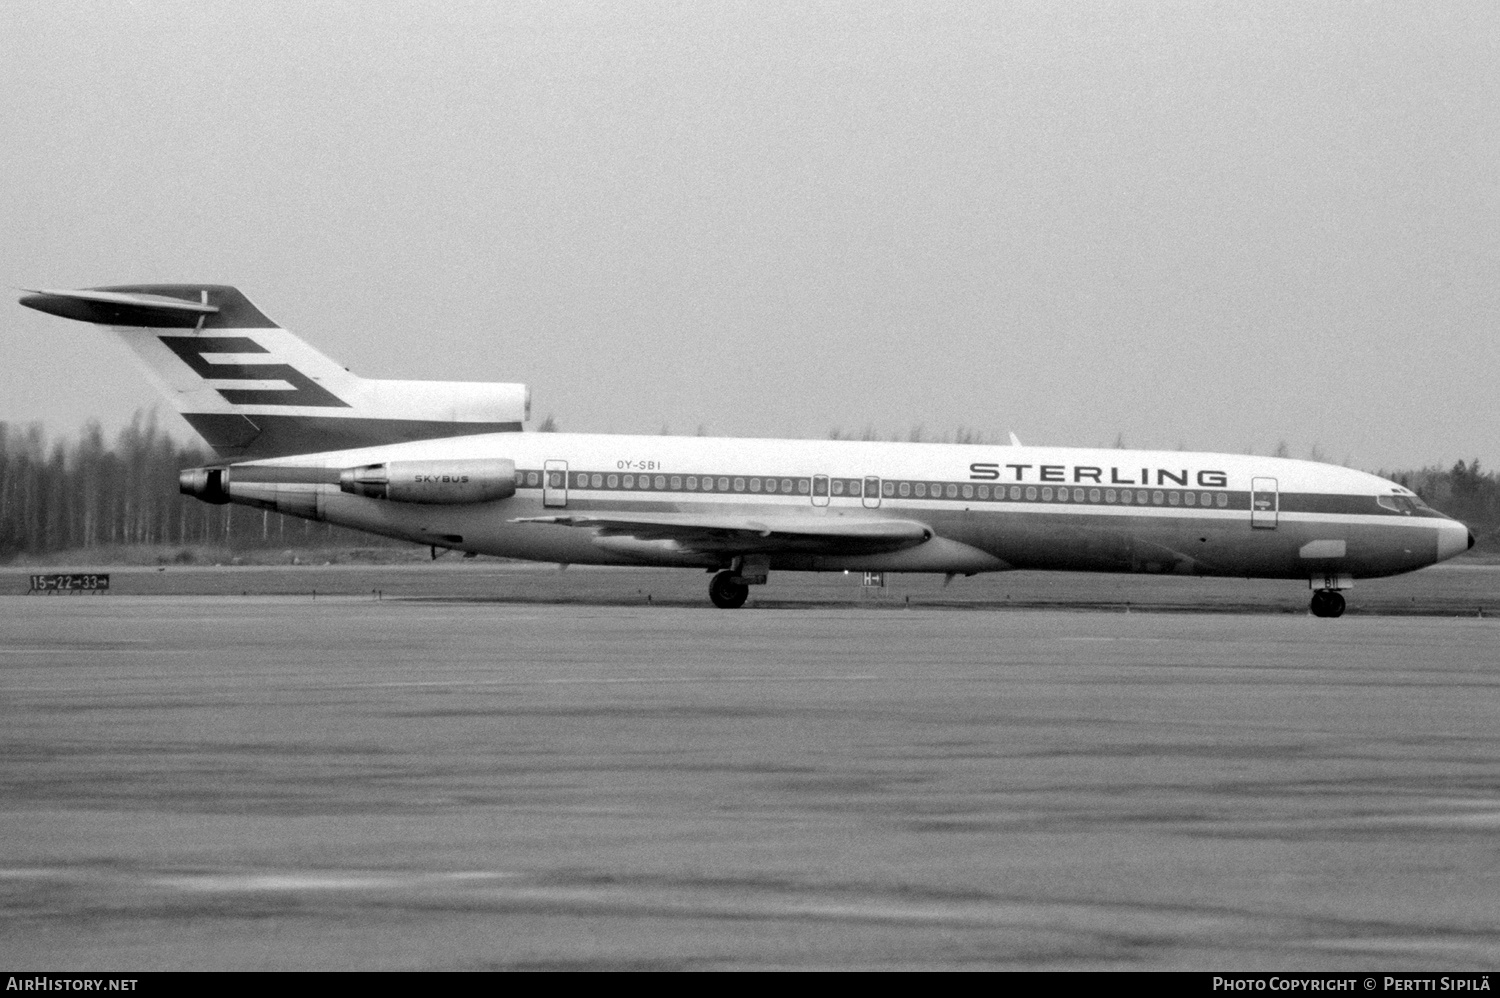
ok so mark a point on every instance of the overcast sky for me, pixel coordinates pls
(1210, 225)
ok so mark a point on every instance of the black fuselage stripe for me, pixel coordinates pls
(1029, 495)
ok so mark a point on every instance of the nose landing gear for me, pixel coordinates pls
(1327, 603)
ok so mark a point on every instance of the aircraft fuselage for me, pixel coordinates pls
(989, 508)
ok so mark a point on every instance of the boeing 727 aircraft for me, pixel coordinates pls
(442, 464)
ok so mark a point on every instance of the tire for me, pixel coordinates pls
(1327, 603)
(727, 594)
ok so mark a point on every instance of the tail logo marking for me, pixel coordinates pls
(304, 391)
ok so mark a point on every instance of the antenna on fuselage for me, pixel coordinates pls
(1015, 441)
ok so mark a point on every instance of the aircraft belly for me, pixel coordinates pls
(1213, 546)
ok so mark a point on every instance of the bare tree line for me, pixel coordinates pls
(88, 493)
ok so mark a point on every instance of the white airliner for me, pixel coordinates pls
(443, 464)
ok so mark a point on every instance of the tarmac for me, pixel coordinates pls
(443, 778)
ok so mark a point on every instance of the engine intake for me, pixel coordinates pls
(436, 482)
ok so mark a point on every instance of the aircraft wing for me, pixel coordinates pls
(715, 533)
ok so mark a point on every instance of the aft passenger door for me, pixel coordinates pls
(872, 493)
(1265, 503)
(555, 483)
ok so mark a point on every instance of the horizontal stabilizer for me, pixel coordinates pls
(153, 306)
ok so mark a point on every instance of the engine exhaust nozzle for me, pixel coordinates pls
(206, 484)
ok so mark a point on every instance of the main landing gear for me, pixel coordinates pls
(727, 592)
(1327, 603)
(730, 587)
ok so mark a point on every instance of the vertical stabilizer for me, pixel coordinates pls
(253, 390)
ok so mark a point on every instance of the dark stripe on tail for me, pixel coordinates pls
(262, 435)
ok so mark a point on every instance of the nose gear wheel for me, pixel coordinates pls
(1327, 603)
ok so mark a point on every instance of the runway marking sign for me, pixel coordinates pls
(84, 583)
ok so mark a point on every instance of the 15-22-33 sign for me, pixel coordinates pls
(85, 583)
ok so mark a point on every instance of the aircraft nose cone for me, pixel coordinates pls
(1453, 539)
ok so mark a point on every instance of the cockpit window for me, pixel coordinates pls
(1402, 504)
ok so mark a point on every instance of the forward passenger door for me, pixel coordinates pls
(1265, 503)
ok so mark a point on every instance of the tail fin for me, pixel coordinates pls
(253, 390)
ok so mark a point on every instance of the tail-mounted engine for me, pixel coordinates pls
(207, 484)
(438, 482)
